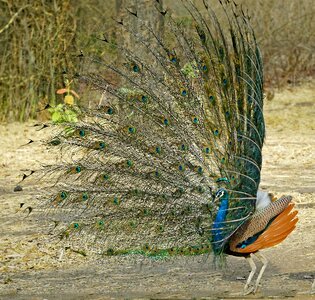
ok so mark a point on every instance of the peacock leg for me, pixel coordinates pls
(247, 289)
(264, 260)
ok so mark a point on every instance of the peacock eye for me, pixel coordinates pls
(220, 194)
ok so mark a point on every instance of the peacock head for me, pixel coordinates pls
(221, 193)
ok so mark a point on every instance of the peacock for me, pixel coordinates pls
(169, 162)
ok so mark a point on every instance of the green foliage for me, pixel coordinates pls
(63, 113)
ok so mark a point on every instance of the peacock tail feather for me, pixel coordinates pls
(140, 172)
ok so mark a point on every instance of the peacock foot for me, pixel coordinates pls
(249, 290)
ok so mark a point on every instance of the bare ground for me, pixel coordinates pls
(32, 267)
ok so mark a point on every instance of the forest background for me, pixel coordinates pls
(41, 42)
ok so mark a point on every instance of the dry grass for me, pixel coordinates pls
(40, 41)
(37, 48)
(286, 33)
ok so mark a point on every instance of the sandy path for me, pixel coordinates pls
(30, 267)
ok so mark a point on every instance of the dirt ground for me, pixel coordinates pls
(33, 266)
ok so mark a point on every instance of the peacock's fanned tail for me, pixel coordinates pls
(138, 174)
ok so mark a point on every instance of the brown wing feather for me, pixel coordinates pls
(278, 230)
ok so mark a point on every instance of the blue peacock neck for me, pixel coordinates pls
(219, 221)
